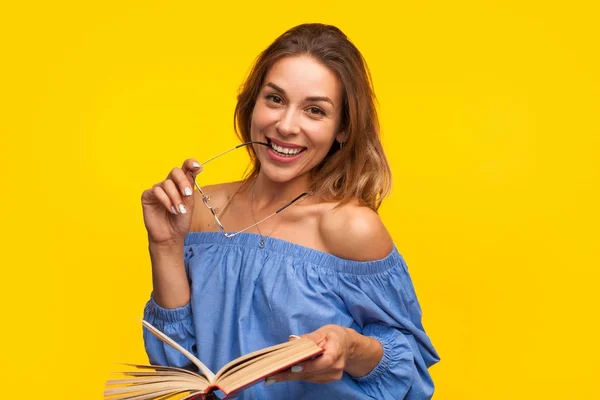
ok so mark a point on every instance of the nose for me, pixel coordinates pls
(288, 123)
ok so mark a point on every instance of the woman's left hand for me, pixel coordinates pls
(330, 365)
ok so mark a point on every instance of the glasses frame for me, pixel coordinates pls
(214, 211)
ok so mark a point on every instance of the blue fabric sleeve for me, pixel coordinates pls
(385, 307)
(397, 375)
(177, 323)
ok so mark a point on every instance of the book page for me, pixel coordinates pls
(246, 359)
(154, 379)
(148, 389)
(154, 382)
(242, 374)
(207, 372)
(158, 394)
(157, 369)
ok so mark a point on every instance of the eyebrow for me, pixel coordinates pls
(311, 98)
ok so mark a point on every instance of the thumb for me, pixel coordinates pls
(318, 337)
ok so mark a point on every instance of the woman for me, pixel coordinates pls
(324, 267)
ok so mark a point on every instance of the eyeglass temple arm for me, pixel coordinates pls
(196, 184)
(292, 202)
(223, 153)
(230, 235)
(234, 148)
(300, 197)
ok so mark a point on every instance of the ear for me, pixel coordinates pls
(341, 137)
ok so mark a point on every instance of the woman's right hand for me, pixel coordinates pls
(169, 205)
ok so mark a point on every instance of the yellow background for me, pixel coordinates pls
(490, 116)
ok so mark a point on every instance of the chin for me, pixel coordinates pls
(279, 176)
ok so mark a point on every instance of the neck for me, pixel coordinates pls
(268, 193)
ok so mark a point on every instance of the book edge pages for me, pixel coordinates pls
(153, 374)
(156, 395)
(249, 362)
(246, 357)
(153, 379)
(236, 383)
(149, 389)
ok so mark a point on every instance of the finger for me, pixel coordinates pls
(323, 362)
(182, 182)
(305, 369)
(318, 336)
(177, 172)
(293, 373)
(163, 198)
(191, 165)
(171, 190)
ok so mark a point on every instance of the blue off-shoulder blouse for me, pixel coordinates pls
(244, 298)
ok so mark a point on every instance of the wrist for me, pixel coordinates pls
(169, 279)
(166, 248)
(352, 344)
(166, 257)
(364, 353)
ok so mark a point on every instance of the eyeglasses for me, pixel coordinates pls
(214, 211)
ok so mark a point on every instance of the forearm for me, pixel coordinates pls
(365, 354)
(170, 284)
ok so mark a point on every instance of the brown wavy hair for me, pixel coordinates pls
(358, 170)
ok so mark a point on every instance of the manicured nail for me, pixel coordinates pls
(297, 368)
(182, 209)
(187, 191)
(173, 210)
(195, 165)
(269, 382)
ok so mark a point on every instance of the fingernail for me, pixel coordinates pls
(294, 337)
(187, 191)
(182, 209)
(297, 368)
(173, 210)
(269, 382)
(195, 165)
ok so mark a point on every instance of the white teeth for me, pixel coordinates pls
(284, 150)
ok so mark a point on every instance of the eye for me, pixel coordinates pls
(273, 98)
(315, 111)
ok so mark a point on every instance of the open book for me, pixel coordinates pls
(162, 382)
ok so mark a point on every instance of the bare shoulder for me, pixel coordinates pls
(355, 232)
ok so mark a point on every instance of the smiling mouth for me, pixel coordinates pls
(285, 151)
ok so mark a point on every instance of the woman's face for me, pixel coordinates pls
(298, 113)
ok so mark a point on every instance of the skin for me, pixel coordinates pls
(299, 104)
